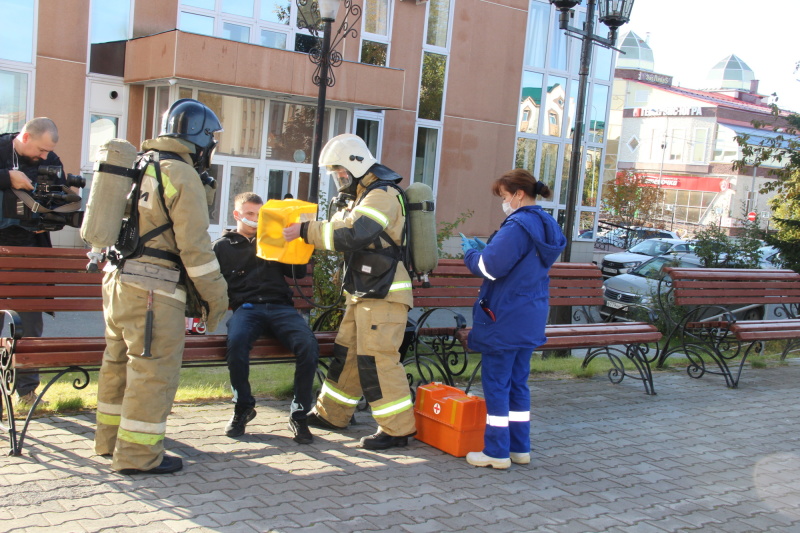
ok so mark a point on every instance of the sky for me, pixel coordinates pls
(689, 37)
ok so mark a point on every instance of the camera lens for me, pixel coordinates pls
(74, 180)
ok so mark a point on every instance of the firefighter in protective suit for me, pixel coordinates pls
(144, 302)
(369, 230)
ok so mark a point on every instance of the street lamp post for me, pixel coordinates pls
(325, 56)
(612, 13)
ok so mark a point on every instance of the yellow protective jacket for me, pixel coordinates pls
(185, 199)
(357, 228)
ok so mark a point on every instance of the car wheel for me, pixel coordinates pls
(753, 314)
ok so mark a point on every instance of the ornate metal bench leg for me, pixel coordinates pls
(7, 408)
(472, 377)
(78, 383)
(635, 353)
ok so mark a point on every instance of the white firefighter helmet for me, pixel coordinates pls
(350, 152)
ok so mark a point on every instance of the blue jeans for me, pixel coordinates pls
(251, 321)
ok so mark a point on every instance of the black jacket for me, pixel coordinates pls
(17, 235)
(250, 278)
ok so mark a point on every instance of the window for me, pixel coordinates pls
(438, 23)
(558, 47)
(536, 39)
(431, 91)
(273, 39)
(374, 53)
(591, 180)
(194, 23)
(156, 102)
(375, 33)
(235, 32)
(376, 17)
(110, 21)
(16, 39)
(369, 130)
(530, 102)
(676, 144)
(597, 122)
(242, 119)
(555, 112)
(13, 100)
(726, 148)
(102, 128)
(699, 145)
(547, 168)
(526, 154)
(263, 22)
(425, 156)
(633, 143)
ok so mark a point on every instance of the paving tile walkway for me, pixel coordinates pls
(697, 456)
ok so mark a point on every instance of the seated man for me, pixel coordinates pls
(262, 304)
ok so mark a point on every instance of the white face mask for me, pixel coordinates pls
(507, 209)
(248, 222)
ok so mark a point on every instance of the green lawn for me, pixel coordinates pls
(275, 381)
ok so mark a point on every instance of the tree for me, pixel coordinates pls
(718, 250)
(783, 150)
(629, 198)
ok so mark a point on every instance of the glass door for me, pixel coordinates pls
(233, 176)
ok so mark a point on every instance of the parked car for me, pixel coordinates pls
(588, 235)
(770, 257)
(640, 286)
(623, 262)
(627, 237)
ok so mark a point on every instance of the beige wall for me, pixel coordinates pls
(61, 73)
(483, 84)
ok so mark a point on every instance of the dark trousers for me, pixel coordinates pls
(251, 321)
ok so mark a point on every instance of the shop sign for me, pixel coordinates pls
(684, 111)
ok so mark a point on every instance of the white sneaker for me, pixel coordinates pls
(520, 458)
(28, 399)
(481, 459)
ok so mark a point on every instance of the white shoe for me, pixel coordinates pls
(481, 459)
(520, 458)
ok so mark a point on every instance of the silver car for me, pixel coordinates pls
(624, 262)
(640, 286)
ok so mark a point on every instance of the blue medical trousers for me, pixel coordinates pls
(504, 376)
(251, 321)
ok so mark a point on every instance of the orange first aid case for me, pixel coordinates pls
(449, 420)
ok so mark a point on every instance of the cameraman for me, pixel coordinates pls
(20, 156)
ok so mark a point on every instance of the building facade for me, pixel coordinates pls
(448, 92)
(683, 140)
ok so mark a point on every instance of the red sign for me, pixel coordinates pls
(687, 183)
(751, 216)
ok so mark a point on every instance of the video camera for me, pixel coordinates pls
(51, 191)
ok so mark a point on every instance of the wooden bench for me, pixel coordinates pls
(441, 352)
(718, 306)
(55, 279)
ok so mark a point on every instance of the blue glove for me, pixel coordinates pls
(479, 243)
(468, 244)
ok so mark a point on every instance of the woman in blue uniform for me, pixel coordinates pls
(511, 312)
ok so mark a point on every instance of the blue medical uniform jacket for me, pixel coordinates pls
(515, 265)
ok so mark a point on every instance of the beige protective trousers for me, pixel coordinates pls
(367, 363)
(135, 393)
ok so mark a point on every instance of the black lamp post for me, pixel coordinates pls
(612, 13)
(325, 56)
